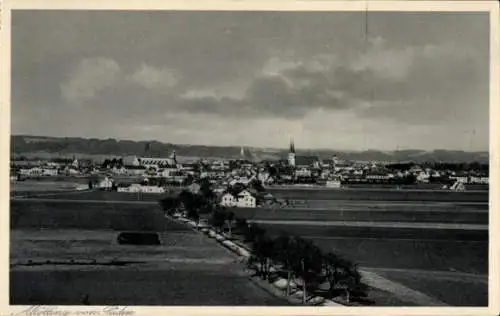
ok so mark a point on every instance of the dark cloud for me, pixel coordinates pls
(146, 68)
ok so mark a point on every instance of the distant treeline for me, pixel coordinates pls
(462, 166)
(23, 144)
(113, 147)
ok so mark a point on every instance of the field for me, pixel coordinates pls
(394, 238)
(379, 195)
(437, 245)
(62, 253)
(363, 211)
(97, 195)
(417, 186)
(43, 186)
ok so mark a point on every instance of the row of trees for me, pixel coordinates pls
(457, 167)
(300, 262)
(294, 258)
(112, 163)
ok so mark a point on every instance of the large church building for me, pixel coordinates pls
(301, 161)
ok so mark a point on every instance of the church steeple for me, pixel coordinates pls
(291, 153)
(173, 156)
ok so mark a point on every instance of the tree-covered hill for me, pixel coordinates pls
(41, 146)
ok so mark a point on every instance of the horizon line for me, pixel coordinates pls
(262, 147)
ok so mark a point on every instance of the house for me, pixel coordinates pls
(119, 171)
(25, 171)
(246, 199)
(423, 177)
(244, 181)
(333, 183)
(306, 161)
(228, 200)
(209, 174)
(135, 170)
(161, 162)
(324, 174)
(416, 169)
(458, 186)
(342, 166)
(152, 189)
(479, 180)
(106, 184)
(460, 178)
(50, 172)
(138, 188)
(263, 176)
(72, 171)
(122, 187)
(134, 188)
(325, 163)
(217, 165)
(377, 176)
(303, 172)
(170, 172)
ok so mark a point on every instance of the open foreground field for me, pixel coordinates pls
(438, 248)
(379, 195)
(365, 211)
(67, 254)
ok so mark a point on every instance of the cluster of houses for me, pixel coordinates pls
(109, 184)
(242, 199)
(295, 169)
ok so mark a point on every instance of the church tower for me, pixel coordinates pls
(173, 156)
(291, 154)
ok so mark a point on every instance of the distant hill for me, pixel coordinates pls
(47, 147)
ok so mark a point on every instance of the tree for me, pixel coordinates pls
(331, 266)
(241, 225)
(106, 163)
(233, 164)
(350, 280)
(255, 232)
(236, 188)
(263, 248)
(192, 204)
(306, 263)
(410, 179)
(257, 185)
(206, 190)
(283, 255)
(218, 219)
(169, 204)
(193, 214)
(189, 179)
(229, 220)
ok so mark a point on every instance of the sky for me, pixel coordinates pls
(336, 80)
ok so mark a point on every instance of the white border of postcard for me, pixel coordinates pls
(259, 5)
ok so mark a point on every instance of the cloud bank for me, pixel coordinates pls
(257, 78)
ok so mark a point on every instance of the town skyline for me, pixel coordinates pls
(331, 80)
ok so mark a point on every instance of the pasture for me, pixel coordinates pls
(66, 252)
